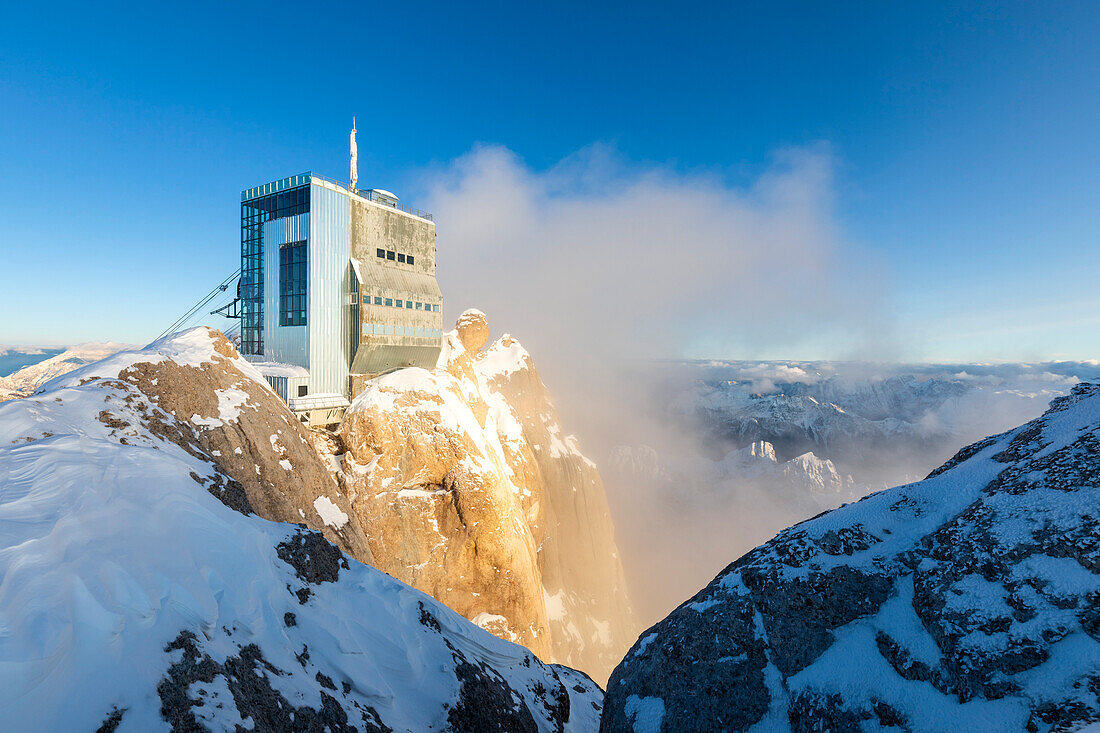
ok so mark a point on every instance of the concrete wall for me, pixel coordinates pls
(393, 337)
(374, 226)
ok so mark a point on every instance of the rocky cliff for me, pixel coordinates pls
(468, 489)
(967, 601)
(140, 591)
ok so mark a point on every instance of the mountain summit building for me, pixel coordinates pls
(337, 286)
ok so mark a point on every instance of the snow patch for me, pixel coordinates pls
(330, 514)
(645, 714)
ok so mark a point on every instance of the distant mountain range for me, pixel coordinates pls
(41, 365)
(14, 358)
(736, 450)
(884, 424)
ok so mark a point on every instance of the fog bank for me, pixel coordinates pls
(599, 264)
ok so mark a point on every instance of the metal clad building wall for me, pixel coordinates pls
(286, 344)
(329, 252)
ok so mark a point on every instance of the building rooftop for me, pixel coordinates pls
(374, 195)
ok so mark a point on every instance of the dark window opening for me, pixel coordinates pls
(292, 284)
(381, 253)
(303, 390)
(390, 254)
(409, 259)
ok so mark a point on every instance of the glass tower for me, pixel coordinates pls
(288, 197)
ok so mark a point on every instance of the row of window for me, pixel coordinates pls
(400, 303)
(378, 329)
(389, 254)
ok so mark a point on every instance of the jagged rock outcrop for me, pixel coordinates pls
(467, 488)
(967, 601)
(132, 598)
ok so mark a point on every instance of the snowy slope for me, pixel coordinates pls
(131, 594)
(967, 601)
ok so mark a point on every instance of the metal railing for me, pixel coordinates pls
(371, 196)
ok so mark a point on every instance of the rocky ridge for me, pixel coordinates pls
(140, 589)
(965, 601)
(469, 490)
(461, 478)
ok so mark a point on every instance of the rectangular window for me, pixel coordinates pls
(390, 254)
(377, 300)
(409, 304)
(292, 284)
(419, 306)
(435, 309)
(389, 301)
(303, 390)
(409, 259)
(381, 253)
(400, 257)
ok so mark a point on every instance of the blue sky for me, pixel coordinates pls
(966, 157)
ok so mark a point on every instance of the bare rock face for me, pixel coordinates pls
(591, 619)
(472, 329)
(467, 489)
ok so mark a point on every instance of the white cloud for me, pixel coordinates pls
(605, 257)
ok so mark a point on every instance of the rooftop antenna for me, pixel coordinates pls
(354, 158)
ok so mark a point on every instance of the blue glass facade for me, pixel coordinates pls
(260, 204)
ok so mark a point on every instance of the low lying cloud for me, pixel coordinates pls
(601, 256)
(599, 265)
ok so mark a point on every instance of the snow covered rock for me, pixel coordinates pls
(194, 390)
(468, 490)
(139, 591)
(967, 601)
